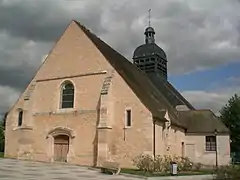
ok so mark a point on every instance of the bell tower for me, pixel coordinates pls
(149, 57)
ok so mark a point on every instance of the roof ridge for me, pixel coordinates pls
(202, 109)
(176, 92)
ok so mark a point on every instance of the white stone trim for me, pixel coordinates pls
(62, 130)
(59, 130)
(64, 111)
(23, 128)
(59, 95)
(74, 76)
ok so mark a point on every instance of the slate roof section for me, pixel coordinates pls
(148, 50)
(166, 88)
(141, 85)
(202, 121)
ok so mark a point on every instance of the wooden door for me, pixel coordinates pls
(61, 147)
(190, 151)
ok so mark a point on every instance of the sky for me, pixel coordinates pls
(200, 37)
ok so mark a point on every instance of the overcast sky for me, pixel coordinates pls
(197, 35)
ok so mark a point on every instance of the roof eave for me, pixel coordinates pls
(180, 126)
(206, 132)
(161, 119)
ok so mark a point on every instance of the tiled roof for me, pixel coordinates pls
(202, 121)
(157, 95)
(167, 89)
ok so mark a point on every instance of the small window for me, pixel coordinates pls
(210, 143)
(152, 59)
(20, 118)
(67, 95)
(137, 61)
(128, 118)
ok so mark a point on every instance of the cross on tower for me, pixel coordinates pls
(149, 17)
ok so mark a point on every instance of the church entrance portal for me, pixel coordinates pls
(61, 148)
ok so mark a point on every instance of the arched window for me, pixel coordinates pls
(20, 117)
(67, 95)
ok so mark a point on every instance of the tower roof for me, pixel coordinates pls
(149, 50)
(149, 30)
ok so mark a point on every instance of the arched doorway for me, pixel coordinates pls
(61, 148)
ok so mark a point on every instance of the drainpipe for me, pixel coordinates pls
(154, 138)
(216, 133)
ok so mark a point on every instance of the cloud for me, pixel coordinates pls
(214, 99)
(45, 20)
(234, 80)
(8, 96)
(195, 34)
(19, 59)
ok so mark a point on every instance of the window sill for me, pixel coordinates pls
(127, 127)
(104, 127)
(23, 128)
(66, 110)
(210, 152)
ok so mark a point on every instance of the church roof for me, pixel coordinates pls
(158, 99)
(141, 85)
(167, 89)
(202, 121)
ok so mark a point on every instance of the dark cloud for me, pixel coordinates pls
(16, 77)
(30, 20)
(195, 34)
(43, 20)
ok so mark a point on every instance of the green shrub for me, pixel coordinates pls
(159, 164)
(228, 173)
(186, 164)
(197, 166)
(147, 163)
(144, 162)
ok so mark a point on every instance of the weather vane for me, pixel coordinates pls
(149, 17)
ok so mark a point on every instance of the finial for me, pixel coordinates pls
(149, 17)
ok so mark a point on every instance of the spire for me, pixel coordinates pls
(149, 32)
(149, 18)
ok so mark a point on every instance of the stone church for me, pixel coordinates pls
(87, 103)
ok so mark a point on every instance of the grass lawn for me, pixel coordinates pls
(141, 173)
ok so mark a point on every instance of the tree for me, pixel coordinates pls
(2, 128)
(230, 116)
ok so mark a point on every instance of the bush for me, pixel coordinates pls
(147, 163)
(2, 138)
(159, 164)
(228, 173)
(144, 162)
(197, 166)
